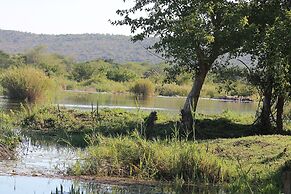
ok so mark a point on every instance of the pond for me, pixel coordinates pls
(82, 100)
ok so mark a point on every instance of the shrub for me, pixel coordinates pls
(26, 83)
(143, 87)
(210, 90)
(121, 75)
(82, 72)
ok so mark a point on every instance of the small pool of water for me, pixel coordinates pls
(36, 158)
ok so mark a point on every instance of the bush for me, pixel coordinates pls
(101, 84)
(26, 83)
(143, 87)
(121, 75)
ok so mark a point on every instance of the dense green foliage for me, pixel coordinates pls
(8, 137)
(106, 76)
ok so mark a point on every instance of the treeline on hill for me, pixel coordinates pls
(56, 71)
(82, 47)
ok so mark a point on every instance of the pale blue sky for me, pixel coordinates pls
(61, 16)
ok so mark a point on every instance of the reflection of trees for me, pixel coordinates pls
(143, 101)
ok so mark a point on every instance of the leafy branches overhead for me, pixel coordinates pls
(269, 43)
(190, 32)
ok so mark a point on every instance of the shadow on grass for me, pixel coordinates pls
(223, 128)
(205, 128)
(210, 129)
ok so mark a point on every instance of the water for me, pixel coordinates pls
(42, 185)
(170, 104)
(82, 100)
(38, 158)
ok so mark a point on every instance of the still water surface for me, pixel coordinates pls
(81, 100)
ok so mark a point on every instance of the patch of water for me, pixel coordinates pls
(36, 158)
(41, 185)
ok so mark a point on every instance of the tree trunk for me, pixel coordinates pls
(192, 99)
(265, 118)
(280, 109)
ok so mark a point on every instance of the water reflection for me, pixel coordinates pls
(84, 101)
(40, 185)
(37, 158)
(170, 104)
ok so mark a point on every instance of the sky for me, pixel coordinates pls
(62, 16)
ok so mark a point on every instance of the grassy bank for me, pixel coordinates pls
(141, 146)
(53, 120)
(249, 165)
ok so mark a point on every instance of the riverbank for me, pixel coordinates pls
(247, 165)
(135, 146)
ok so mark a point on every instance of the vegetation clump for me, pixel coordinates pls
(8, 138)
(26, 83)
(143, 87)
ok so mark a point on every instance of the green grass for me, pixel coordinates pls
(8, 138)
(227, 152)
(52, 119)
(245, 165)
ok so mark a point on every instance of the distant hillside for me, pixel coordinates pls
(82, 47)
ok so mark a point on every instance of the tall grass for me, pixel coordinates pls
(26, 83)
(8, 138)
(159, 160)
(244, 165)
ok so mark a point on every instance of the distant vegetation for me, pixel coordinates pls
(143, 87)
(106, 76)
(82, 47)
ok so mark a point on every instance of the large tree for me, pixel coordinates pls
(191, 34)
(269, 44)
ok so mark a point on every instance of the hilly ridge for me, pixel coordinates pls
(81, 47)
